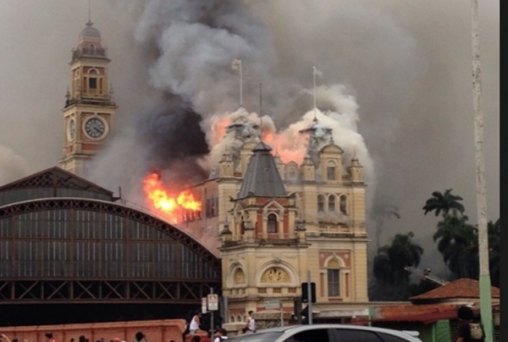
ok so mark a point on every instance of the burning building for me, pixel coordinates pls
(274, 224)
(278, 208)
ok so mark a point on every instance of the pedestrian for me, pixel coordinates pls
(221, 335)
(470, 329)
(140, 337)
(194, 323)
(250, 325)
(49, 337)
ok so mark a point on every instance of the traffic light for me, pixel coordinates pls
(297, 309)
(305, 291)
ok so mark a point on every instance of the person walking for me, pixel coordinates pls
(140, 337)
(49, 337)
(250, 325)
(195, 322)
(470, 330)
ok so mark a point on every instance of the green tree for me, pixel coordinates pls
(444, 203)
(390, 263)
(457, 241)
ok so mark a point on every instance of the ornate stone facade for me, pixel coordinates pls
(89, 108)
(270, 242)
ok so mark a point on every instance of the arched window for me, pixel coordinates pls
(343, 204)
(331, 171)
(92, 79)
(333, 278)
(331, 203)
(271, 223)
(321, 203)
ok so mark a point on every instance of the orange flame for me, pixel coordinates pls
(171, 206)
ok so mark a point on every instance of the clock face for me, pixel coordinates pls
(71, 129)
(95, 128)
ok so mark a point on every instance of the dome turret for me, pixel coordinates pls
(89, 32)
(89, 44)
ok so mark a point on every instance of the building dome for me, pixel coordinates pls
(89, 43)
(89, 32)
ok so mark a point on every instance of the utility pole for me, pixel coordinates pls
(481, 198)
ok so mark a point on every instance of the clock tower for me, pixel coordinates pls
(89, 108)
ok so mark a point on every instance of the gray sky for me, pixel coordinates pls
(406, 64)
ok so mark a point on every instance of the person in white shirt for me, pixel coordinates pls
(194, 324)
(250, 325)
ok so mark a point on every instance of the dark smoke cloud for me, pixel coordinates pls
(406, 64)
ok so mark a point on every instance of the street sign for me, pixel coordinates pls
(213, 302)
(271, 304)
(203, 305)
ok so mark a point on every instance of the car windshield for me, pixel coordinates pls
(258, 337)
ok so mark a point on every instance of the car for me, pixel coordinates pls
(328, 333)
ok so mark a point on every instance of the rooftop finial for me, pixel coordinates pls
(237, 65)
(90, 11)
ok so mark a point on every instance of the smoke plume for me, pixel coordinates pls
(394, 84)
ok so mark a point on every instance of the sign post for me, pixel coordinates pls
(213, 305)
(271, 304)
(203, 305)
(309, 297)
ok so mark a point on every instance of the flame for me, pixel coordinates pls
(172, 206)
(288, 146)
(218, 126)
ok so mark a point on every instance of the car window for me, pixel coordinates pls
(313, 335)
(258, 337)
(355, 335)
(391, 338)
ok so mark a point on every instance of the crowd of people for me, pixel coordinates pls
(139, 337)
(220, 334)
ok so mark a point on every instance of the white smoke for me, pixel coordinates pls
(407, 65)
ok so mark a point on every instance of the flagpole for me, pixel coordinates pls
(237, 65)
(314, 72)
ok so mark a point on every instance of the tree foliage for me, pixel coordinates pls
(444, 203)
(457, 240)
(391, 261)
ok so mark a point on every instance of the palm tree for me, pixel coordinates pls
(391, 261)
(457, 241)
(444, 202)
